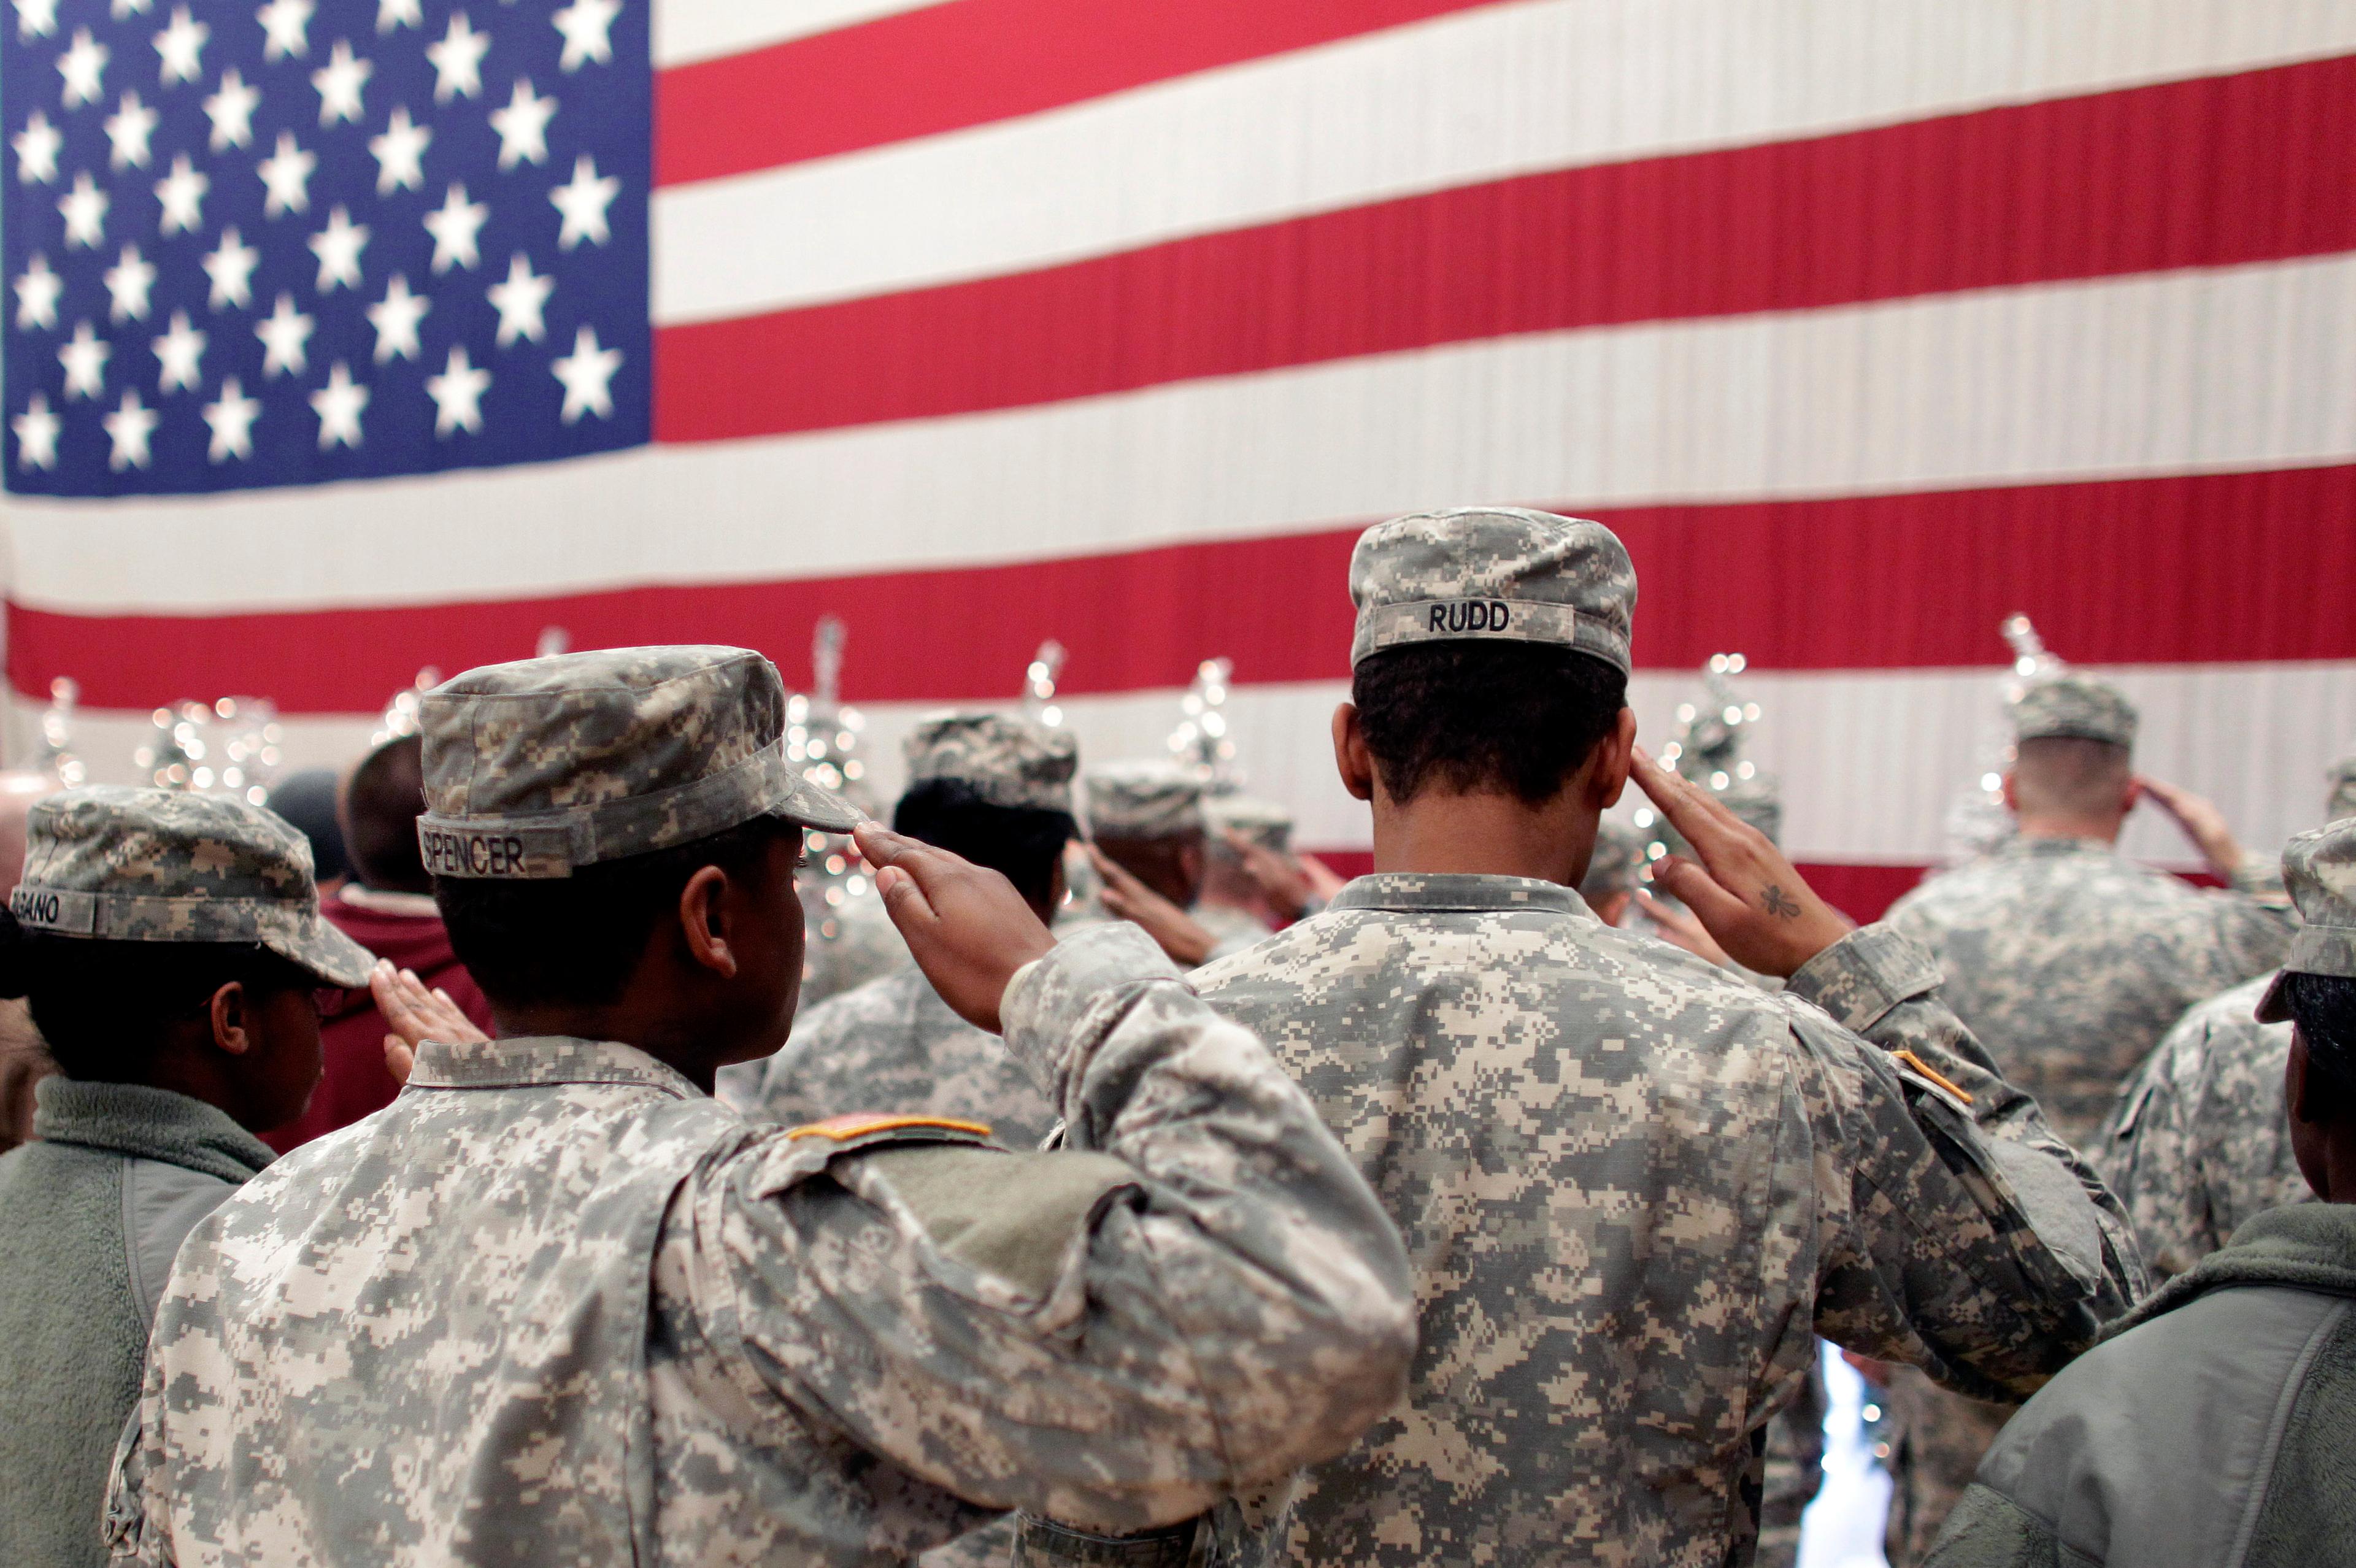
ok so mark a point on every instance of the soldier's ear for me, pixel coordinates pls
(705, 920)
(230, 1010)
(1608, 766)
(1351, 758)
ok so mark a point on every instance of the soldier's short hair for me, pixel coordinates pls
(383, 801)
(2324, 1009)
(577, 939)
(102, 1006)
(2070, 774)
(1025, 844)
(1509, 718)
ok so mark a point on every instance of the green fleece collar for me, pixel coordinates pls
(2309, 1246)
(146, 1124)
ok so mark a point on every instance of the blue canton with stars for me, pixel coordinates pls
(319, 239)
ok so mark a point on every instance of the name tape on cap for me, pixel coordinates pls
(495, 852)
(54, 908)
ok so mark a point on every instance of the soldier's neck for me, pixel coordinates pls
(2058, 826)
(1440, 833)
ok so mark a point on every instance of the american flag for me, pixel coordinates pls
(1866, 323)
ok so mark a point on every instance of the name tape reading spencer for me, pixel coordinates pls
(494, 853)
(49, 909)
(1471, 615)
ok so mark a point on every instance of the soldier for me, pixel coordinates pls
(169, 945)
(2198, 1142)
(2067, 961)
(1632, 1186)
(557, 1305)
(1234, 906)
(1609, 886)
(1147, 832)
(997, 791)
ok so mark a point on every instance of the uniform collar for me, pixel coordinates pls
(2020, 847)
(1458, 891)
(146, 1124)
(534, 1060)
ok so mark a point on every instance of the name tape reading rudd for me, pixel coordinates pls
(538, 768)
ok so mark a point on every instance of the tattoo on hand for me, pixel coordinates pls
(1778, 902)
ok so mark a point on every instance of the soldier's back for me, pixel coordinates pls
(1595, 1147)
(2069, 961)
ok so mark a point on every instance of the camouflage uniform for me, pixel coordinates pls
(1158, 800)
(1612, 868)
(893, 1042)
(848, 944)
(2067, 961)
(1633, 1187)
(556, 1305)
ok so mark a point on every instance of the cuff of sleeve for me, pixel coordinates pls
(2261, 878)
(1865, 973)
(1059, 1007)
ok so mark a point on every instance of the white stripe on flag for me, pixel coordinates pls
(1477, 95)
(1869, 762)
(2242, 369)
(690, 30)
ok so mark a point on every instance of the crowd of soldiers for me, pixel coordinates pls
(1144, 1194)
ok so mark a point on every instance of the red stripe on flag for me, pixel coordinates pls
(2220, 568)
(2216, 172)
(971, 62)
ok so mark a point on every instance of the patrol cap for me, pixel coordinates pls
(2320, 867)
(119, 863)
(1612, 868)
(537, 768)
(2342, 776)
(1474, 573)
(1007, 761)
(1262, 822)
(2074, 705)
(1144, 800)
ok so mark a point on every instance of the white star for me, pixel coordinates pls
(395, 318)
(36, 293)
(35, 18)
(80, 66)
(339, 405)
(392, 13)
(457, 393)
(37, 150)
(232, 111)
(177, 353)
(129, 128)
(84, 208)
(522, 126)
(231, 267)
(458, 61)
(36, 434)
(287, 172)
(182, 192)
(400, 154)
(583, 23)
(340, 82)
(286, 23)
(582, 201)
(338, 247)
(84, 358)
(520, 300)
(284, 332)
(128, 426)
(454, 226)
(231, 420)
(587, 373)
(124, 8)
(128, 281)
(178, 45)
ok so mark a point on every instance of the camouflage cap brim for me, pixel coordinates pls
(295, 931)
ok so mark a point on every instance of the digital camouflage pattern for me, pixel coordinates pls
(892, 1045)
(2320, 870)
(1795, 1471)
(2069, 961)
(1232, 930)
(1007, 761)
(2074, 705)
(2341, 776)
(1634, 1190)
(119, 863)
(1478, 573)
(538, 767)
(1262, 822)
(1144, 800)
(553, 1304)
(845, 945)
(2198, 1141)
(1612, 868)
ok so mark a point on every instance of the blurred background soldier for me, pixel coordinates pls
(169, 945)
(2069, 961)
(1609, 886)
(24, 1060)
(2198, 1141)
(997, 791)
(1234, 905)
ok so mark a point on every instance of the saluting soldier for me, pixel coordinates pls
(556, 1305)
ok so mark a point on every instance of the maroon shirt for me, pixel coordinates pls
(404, 928)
